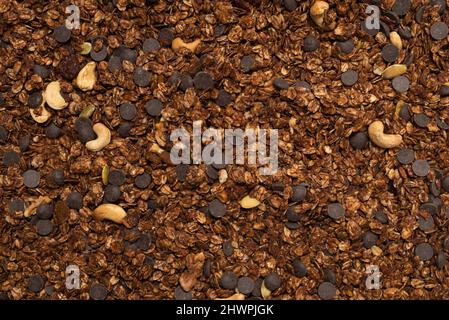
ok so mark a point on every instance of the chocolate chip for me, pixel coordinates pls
(36, 283)
(405, 156)
(439, 31)
(401, 7)
(31, 178)
(41, 71)
(126, 54)
(381, 217)
(434, 189)
(124, 129)
(216, 208)
(24, 142)
(116, 177)
(424, 251)
(419, 14)
(444, 90)
(58, 177)
(358, 140)
(180, 294)
(290, 5)
(346, 47)
(435, 201)
(10, 158)
(404, 32)
(421, 168)
(280, 84)
(272, 281)
(278, 186)
(74, 200)
(426, 224)
(49, 290)
(128, 111)
(52, 131)
(84, 128)
(429, 207)
(292, 225)
(440, 4)
(16, 205)
(390, 53)
(311, 43)
(299, 193)
(329, 275)
(142, 181)
(257, 288)
(302, 84)
(327, 291)
(228, 280)
(441, 260)
(203, 81)
(421, 120)
(245, 285)
(223, 98)
(335, 211)
(62, 34)
(219, 30)
(151, 45)
(112, 194)
(181, 172)
(152, 205)
(3, 134)
(166, 37)
(44, 227)
(349, 78)
(114, 63)
(299, 269)
(45, 211)
(401, 84)
(35, 99)
(228, 249)
(141, 77)
(207, 268)
(384, 28)
(154, 107)
(101, 54)
(369, 239)
(98, 292)
(404, 112)
(144, 242)
(248, 63)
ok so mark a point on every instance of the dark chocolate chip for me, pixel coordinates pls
(311, 43)
(335, 211)
(426, 224)
(405, 156)
(401, 84)
(84, 128)
(16, 205)
(24, 142)
(62, 34)
(114, 63)
(278, 186)
(419, 14)
(3, 134)
(421, 120)
(207, 272)
(152, 205)
(358, 140)
(245, 285)
(45, 211)
(390, 53)
(421, 168)
(228, 280)
(126, 54)
(346, 47)
(440, 5)
(112, 193)
(58, 177)
(385, 28)
(439, 31)
(142, 181)
(35, 99)
(329, 275)
(144, 242)
(299, 193)
(124, 129)
(41, 71)
(370, 239)
(401, 7)
(49, 290)
(292, 225)
(349, 78)
(441, 260)
(280, 84)
(10, 158)
(74, 200)
(154, 107)
(52, 131)
(424, 251)
(141, 77)
(98, 292)
(404, 112)
(31, 178)
(44, 227)
(180, 294)
(223, 98)
(211, 172)
(216, 208)
(166, 37)
(203, 81)
(248, 63)
(444, 90)
(429, 207)
(128, 111)
(381, 217)
(219, 30)
(299, 269)
(445, 183)
(302, 84)
(327, 291)
(290, 5)
(151, 45)
(434, 189)
(116, 177)
(404, 32)
(36, 283)
(181, 172)
(228, 249)
(101, 54)
(272, 281)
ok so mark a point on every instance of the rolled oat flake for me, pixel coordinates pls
(31, 178)
(424, 251)
(421, 168)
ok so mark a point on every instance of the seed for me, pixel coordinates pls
(394, 71)
(248, 202)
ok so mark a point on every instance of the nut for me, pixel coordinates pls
(222, 176)
(105, 174)
(103, 138)
(53, 97)
(31, 209)
(111, 212)
(86, 47)
(178, 43)
(87, 111)
(42, 116)
(317, 12)
(87, 77)
(266, 293)
(396, 40)
(248, 202)
(394, 71)
(379, 138)
(237, 296)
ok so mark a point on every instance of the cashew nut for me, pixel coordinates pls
(31, 209)
(111, 212)
(53, 97)
(379, 138)
(42, 116)
(178, 43)
(237, 296)
(247, 202)
(103, 138)
(87, 77)
(318, 11)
